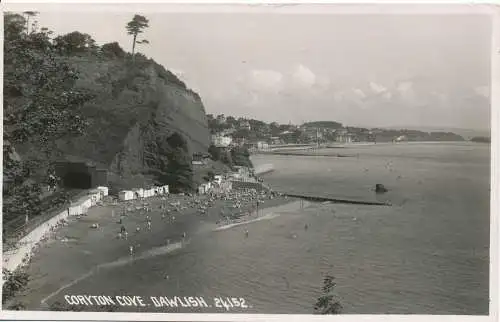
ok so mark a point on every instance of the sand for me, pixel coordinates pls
(76, 249)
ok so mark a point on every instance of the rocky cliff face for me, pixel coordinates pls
(128, 99)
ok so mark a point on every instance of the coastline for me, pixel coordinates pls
(83, 249)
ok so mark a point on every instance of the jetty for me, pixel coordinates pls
(336, 200)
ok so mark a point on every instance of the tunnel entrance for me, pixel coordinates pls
(77, 180)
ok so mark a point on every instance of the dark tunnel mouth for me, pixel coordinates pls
(77, 180)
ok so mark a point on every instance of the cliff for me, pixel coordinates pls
(129, 99)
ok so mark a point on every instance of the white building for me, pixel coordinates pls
(262, 145)
(218, 179)
(245, 125)
(221, 141)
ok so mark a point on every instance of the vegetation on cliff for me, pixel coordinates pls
(41, 105)
(66, 96)
(234, 156)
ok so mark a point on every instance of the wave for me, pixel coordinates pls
(157, 251)
(273, 213)
(265, 217)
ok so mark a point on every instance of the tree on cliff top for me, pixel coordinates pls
(135, 27)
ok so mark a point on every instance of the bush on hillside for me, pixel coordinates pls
(112, 50)
(14, 282)
(75, 42)
(41, 105)
(241, 157)
(328, 303)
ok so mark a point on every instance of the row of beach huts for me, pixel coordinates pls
(15, 257)
(141, 193)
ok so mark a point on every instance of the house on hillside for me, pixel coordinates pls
(400, 138)
(261, 145)
(240, 142)
(275, 140)
(245, 125)
(221, 141)
(221, 119)
(200, 158)
(343, 136)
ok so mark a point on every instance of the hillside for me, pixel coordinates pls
(67, 99)
(94, 104)
(128, 100)
(324, 124)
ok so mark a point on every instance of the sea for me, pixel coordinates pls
(427, 253)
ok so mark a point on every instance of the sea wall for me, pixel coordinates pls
(20, 254)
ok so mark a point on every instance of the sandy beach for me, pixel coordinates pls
(77, 249)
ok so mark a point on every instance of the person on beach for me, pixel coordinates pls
(131, 250)
(246, 233)
(149, 225)
(306, 227)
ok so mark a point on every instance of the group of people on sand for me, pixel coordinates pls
(237, 199)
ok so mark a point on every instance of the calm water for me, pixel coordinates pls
(427, 254)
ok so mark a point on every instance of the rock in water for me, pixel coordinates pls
(379, 188)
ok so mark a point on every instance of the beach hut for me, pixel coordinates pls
(104, 190)
(86, 203)
(95, 196)
(148, 193)
(75, 209)
(125, 195)
(138, 193)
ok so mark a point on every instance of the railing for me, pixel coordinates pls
(18, 228)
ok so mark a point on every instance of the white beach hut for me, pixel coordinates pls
(104, 190)
(125, 195)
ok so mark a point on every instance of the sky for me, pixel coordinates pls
(359, 69)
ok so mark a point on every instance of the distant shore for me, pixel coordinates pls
(313, 150)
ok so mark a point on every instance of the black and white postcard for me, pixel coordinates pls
(249, 161)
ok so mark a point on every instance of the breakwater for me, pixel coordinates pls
(315, 154)
(336, 200)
